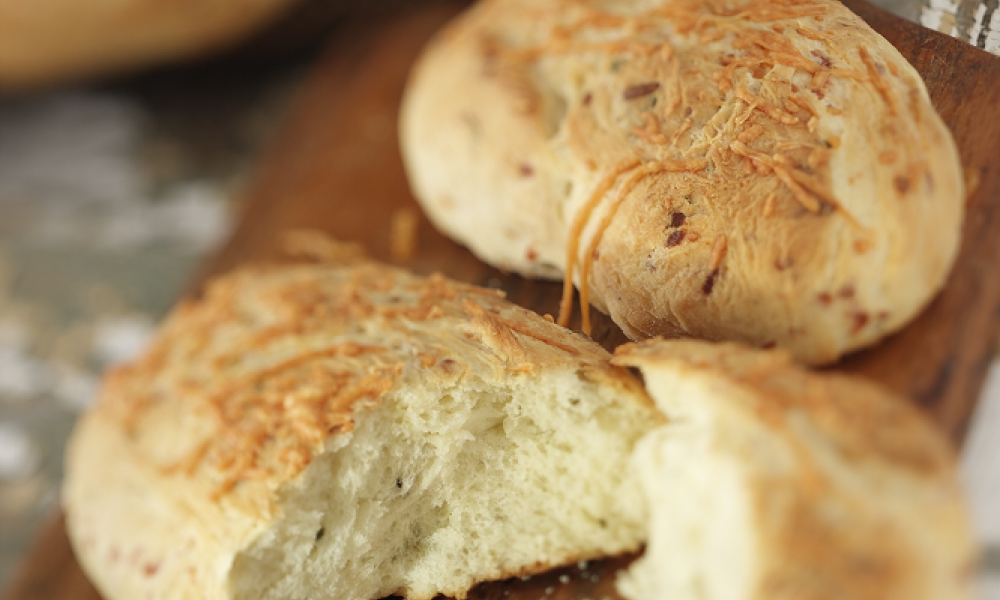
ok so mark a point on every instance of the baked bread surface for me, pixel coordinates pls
(769, 172)
(773, 482)
(352, 432)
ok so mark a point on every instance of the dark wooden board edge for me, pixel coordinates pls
(940, 360)
(320, 172)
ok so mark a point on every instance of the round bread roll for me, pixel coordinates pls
(354, 432)
(318, 432)
(770, 172)
(54, 41)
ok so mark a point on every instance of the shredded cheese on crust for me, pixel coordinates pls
(272, 363)
(751, 60)
(576, 231)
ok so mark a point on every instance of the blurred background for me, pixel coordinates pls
(110, 197)
(123, 156)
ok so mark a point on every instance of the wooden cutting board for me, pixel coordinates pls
(335, 166)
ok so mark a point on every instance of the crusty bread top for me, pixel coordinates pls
(768, 171)
(272, 363)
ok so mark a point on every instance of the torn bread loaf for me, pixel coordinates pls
(765, 171)
(771, 482)
(353, 432)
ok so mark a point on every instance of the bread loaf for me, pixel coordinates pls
(353, 432)
(767, 171)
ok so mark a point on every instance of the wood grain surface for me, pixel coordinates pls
(335, 167)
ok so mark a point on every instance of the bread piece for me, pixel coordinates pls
(775, 483)
(355, 432)
(767, 171)
(55, 41)
(352, 433)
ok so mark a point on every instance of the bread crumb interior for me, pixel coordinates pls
(437, 489)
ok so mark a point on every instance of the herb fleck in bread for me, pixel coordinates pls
(763, 171)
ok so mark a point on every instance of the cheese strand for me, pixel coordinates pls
(677, 166)
(576, 232)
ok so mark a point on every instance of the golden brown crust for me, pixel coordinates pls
(854, 492)
(770, 172)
